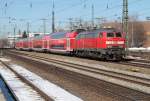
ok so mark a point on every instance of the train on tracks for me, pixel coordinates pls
(104, 43)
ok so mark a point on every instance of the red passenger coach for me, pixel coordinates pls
(63, 42)
(58, 42)
(19, 44)
(46, 42)
(30, 43)
(37, 43)
(25, 44)
(41, 43)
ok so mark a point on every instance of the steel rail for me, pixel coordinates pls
(42, 94)
(138, 63)
(133, 79)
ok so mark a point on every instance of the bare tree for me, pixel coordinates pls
(136, 32)
(4, 43)
(24, 34)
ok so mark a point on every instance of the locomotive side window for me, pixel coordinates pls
(110, 35)
(118, 34)
(87, 35)
(91, 35)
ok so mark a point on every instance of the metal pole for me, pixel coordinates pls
(44, 26)
(132, 43)
(92, 15)
(14, 35)
(53, 18)
(125, 22)
(80, 23)
(71, 24)
(28, 25)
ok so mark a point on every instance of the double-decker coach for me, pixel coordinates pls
(63, 42)
(19, 44)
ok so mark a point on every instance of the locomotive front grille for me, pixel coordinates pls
(115, 50)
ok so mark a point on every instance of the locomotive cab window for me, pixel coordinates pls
(110, 35)
(118, 34)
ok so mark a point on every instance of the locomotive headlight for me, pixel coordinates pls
(114, 42)
(109, 42)
(120, 42)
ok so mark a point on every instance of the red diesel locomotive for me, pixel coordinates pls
(102, 43)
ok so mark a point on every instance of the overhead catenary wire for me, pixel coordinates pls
(71, 6)
(113, 7)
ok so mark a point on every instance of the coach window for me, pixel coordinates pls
(90, 35)
(82, 36)
(78, 37)
(96, 35)
(86, 35)
(62, 35)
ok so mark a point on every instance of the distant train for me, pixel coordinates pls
(105, 43)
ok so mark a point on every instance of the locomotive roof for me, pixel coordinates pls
(107, 30)
(101, 30)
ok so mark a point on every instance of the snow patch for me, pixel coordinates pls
(141, 49)
(5, 60)
(22, 91)
(52, 90)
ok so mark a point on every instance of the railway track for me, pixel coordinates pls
(27, 86)
(143, 63)
(145, 55)
(137, 62)
(20, 89)
(135, 81)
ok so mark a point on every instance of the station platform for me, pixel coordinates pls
(2, 98)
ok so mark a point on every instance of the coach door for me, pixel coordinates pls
(68, 44)
(100, 40)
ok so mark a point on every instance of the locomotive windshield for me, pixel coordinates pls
(118, 34)
(110, 35)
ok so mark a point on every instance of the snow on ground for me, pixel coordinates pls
(58, 94)
(52, 90)
(141, 49)
(5, 60)
(133, 57)
(22, 91)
